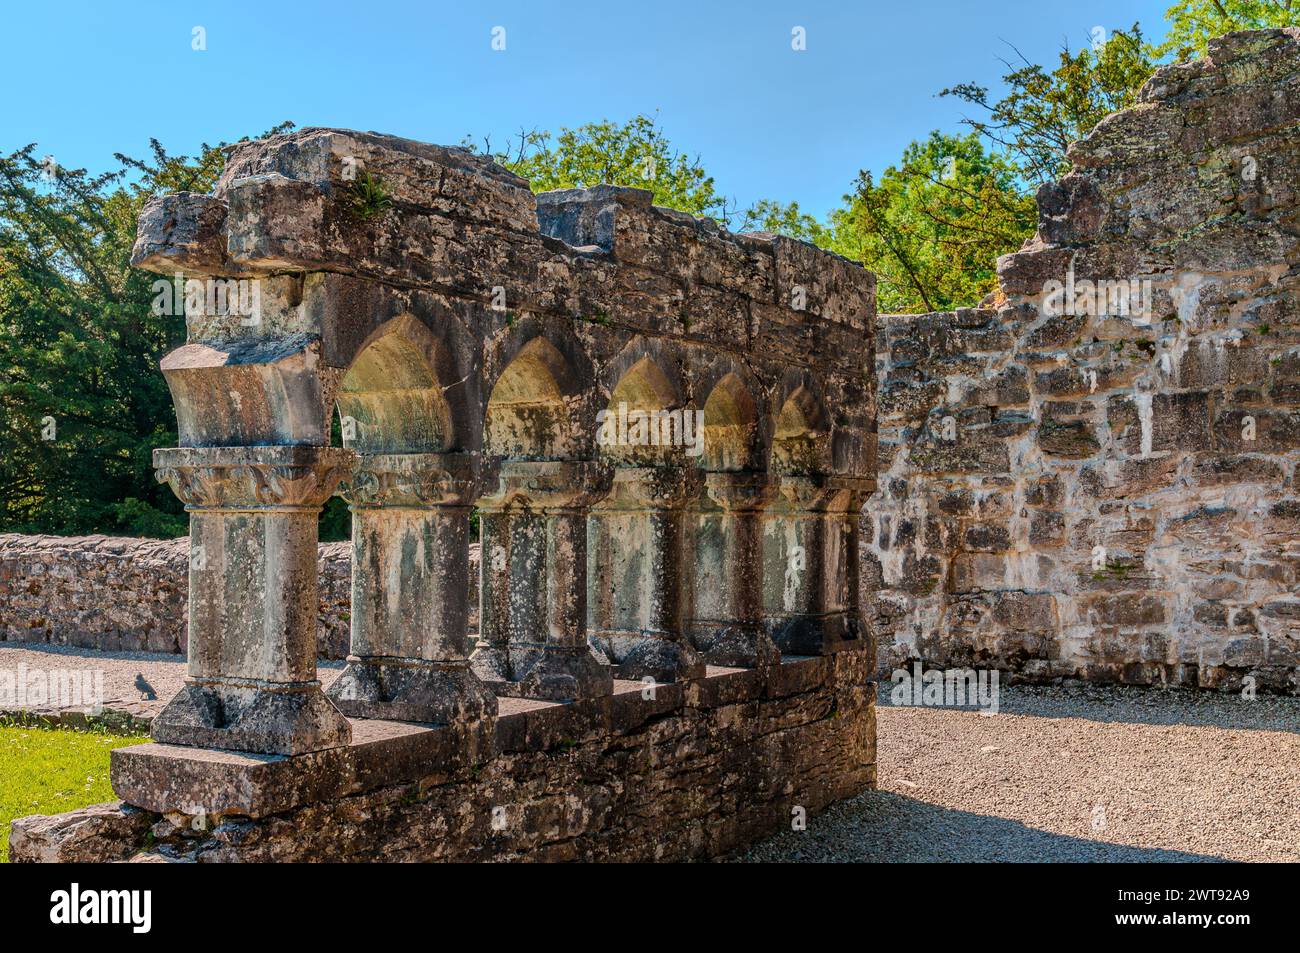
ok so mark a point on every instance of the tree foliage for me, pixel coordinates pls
(1193, 23)
(636, 153)
(1044, 112)
(82, 404)
(931, 227)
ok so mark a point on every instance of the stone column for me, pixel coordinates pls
(533, 593)
(810, 568)
(635, 562)
(253, 601)
(727, 624)
(409, 659)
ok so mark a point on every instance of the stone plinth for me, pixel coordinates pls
(690, 771)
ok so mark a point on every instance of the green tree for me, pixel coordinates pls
(767, 215)
(636, 153)
(82, 404)
(1193, 23)
(1046, 111)
(930, 228)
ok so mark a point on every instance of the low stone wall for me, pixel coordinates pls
(1094, 477)
(696, 770)
(127, 594)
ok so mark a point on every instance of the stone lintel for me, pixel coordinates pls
(170, 778)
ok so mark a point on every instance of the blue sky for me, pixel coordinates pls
(87, 79)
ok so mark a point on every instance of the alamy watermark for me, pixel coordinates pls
(24, 689)
(946, 688)
(1121, 297)
(209, 297)
(683, 427)
(133, 908)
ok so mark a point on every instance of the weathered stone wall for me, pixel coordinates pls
(126, 594)
(1076, 492)
(700, 769)
(103, 592)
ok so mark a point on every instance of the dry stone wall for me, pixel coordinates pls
(130, 595)
(1094, 476)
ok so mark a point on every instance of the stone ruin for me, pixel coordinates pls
(1091, 475)
(666, 433)
(1094, 475)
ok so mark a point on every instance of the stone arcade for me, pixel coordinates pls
(669, 629)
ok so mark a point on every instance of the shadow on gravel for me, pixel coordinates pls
(883, 827)
(1145, 706)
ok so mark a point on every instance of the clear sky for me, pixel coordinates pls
(87, 79)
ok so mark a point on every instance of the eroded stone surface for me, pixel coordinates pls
(101, 833)
(461, 318)
(1106, 495)
(699, 769)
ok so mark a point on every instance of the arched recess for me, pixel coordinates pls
(391, 400)
(801, 440)
(636, 543)
(645, 423)
(409, 502)
(730, 427)
(528, 409)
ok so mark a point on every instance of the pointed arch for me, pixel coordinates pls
(643, 422)
(391, 398)
(801, 438)
(527, 411)
(730, 426)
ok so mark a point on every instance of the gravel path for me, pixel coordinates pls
(161, 675)
(1086, 774)
(1094, 774)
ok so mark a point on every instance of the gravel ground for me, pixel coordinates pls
(162, 675)
(1090, 774)
(1083, 774)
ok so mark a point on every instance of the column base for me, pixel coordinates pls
(288, 720)
(657, 655)
(419, 690)
(816, 634)
(546, 673)
(735, 645)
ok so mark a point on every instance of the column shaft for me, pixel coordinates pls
(809, 564)
(636, 565)
(533, 618)
(727, 625)
(251, 683)
(410, 592)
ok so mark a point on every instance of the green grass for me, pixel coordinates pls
(50, 770)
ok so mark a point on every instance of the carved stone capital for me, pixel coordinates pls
(253, 478)
(740, 492)
(654, 488)
(413, 480)
(549, 485)
(823, 493)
